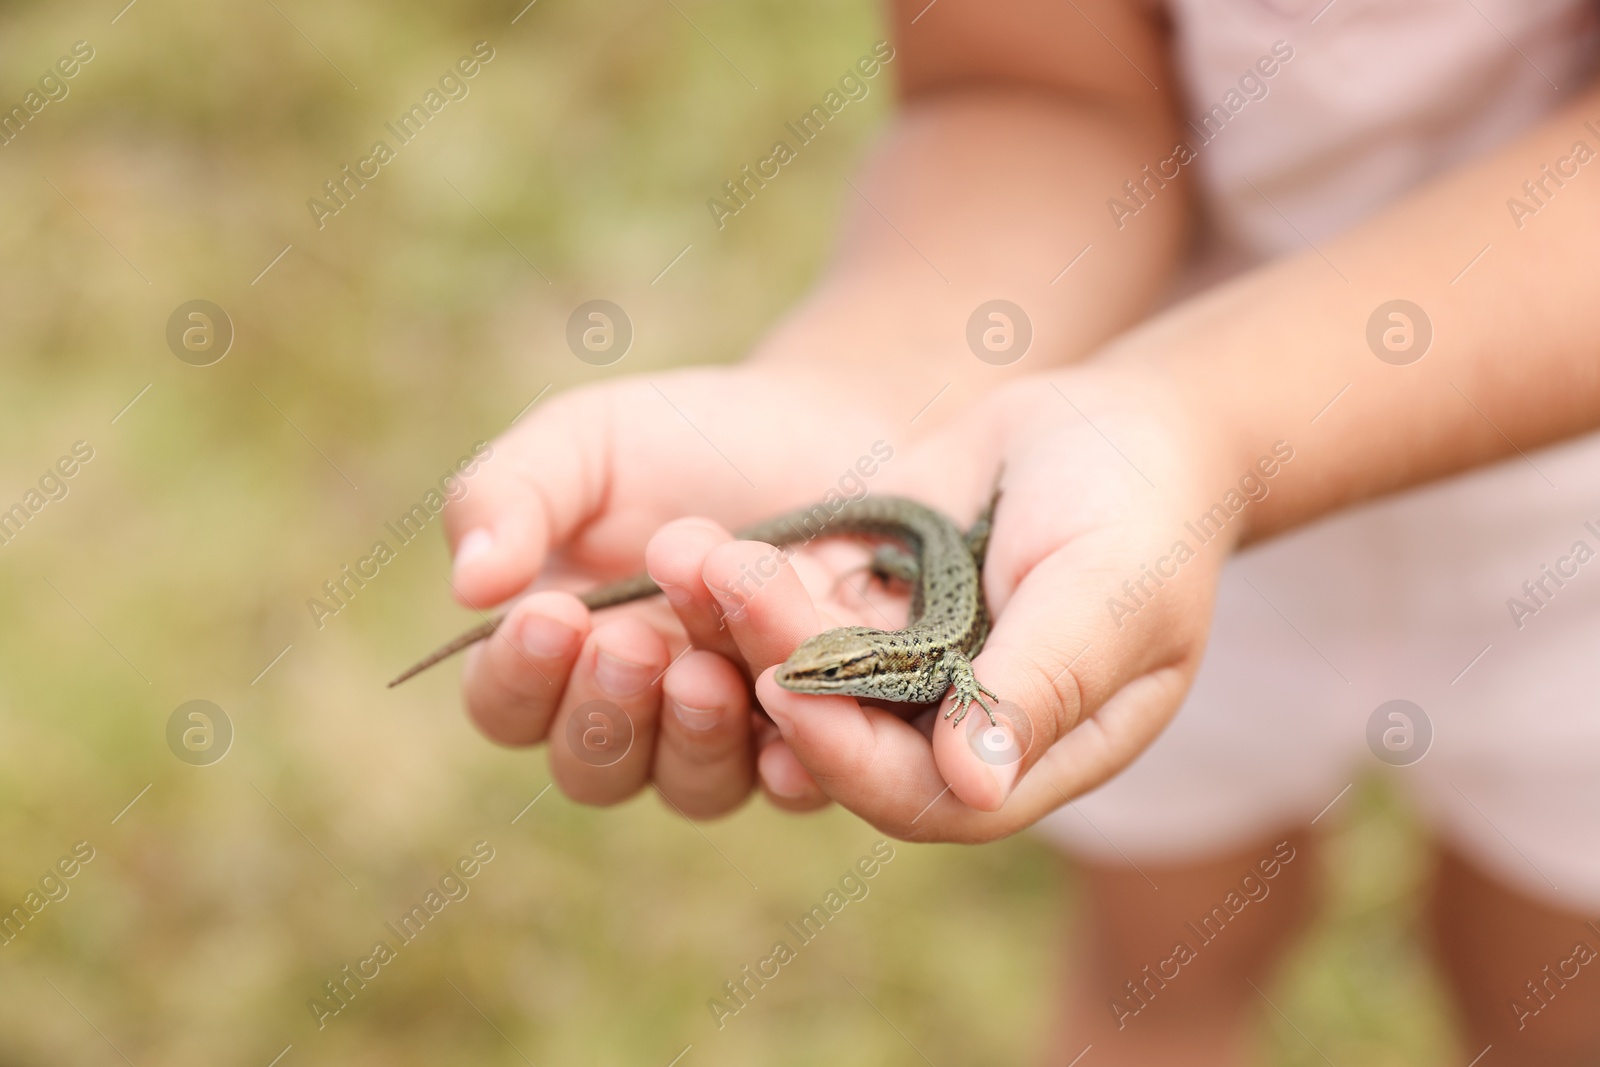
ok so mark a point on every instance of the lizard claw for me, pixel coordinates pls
(969, 691)
(958, 710)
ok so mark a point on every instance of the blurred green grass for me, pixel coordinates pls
(178, 565)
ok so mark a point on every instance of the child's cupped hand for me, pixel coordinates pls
(1100, 619)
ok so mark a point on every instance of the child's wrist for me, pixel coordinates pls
(1204, 403)
(898, 355)
(1206, 455)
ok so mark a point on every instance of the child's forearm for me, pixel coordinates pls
(1514, 360)
(989, 187)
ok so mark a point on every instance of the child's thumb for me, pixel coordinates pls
(532, 488)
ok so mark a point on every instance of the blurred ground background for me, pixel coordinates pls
(178, 565)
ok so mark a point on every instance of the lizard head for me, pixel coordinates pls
(837, 661)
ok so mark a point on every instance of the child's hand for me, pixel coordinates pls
(1101, 476)
(576, 493)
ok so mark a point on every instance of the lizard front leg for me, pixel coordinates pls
(968, 689)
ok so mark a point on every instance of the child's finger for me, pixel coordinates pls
(675, 560)
(532, 489)
(704, 761)
(763, 612)
(764, 605)
(769, 612)
(785, 780)
(868, 760)
(513, 682)
(602, 742)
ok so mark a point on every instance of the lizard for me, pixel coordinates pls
(919, 663)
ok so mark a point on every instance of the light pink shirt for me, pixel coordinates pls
(1379, 96)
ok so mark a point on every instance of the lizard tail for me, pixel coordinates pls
(471, 637)
(977, 536)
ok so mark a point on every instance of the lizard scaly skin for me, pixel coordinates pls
(916, 664)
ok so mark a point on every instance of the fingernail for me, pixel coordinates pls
(1000, 743)
(621, 677)
(696, 719)
(781, 720)
(475, 544)
(732, 603)
(677, 595)
(1006, 778)
(542, 637)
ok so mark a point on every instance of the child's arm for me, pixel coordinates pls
(1161, 427)
(1018, 118)
(1018, 121)
(1515, 356)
